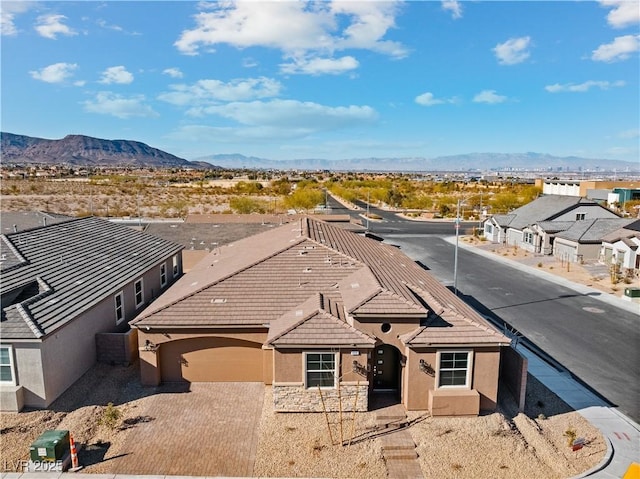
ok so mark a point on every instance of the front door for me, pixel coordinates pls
(386, 365)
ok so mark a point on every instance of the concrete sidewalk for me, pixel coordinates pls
(621, 432)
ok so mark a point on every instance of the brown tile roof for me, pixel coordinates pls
(312, 324)
(268, 278)
(450, 329)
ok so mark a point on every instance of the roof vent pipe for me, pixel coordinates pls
(15, 228)
(44, 221)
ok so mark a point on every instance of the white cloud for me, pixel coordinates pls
(56, 73)
(308, 30)
(620, 49)
(583, 87)
(624, 13)
(8, 13)
(107, 103)
(630, 134)
(206, 92)
(173, 72)
(286, 114)
(49, 26)
(249, 62)
(427, 99)
(454, 7)
(118, 74)
(489, 96)
(513, 51)
(318, 66)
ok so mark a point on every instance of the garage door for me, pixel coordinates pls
(211, 360)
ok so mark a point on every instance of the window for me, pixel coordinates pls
(139, 293)
(454, 368)
(6, 365)
(581, 216)
(163, 275)
(119, 300)
(528, 237)
(320, 369)
(175, 266)
(488, 228)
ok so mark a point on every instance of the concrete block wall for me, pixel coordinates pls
(117, 348)
(297, 398)
(513, 372)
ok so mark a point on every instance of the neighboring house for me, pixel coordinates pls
(63, 284)
(320, 313)
(517, 228)
(582, 241)
(545, 232)
(620, 247)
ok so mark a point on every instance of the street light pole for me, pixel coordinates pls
(368, 197)
(455, 257)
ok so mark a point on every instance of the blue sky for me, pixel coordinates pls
(343, 79)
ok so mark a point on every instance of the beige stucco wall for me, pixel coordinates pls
(204, 355)
(486, 372)
(29, 374)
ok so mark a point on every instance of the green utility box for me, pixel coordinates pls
(632, 292)
(51, 446)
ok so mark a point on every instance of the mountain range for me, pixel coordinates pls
(83, 150)
(467, 162)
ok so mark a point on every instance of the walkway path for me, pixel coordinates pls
(398, 447)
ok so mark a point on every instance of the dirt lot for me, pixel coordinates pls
(502, 444)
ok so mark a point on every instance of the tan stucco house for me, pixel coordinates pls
(321, 313)
(64, 284)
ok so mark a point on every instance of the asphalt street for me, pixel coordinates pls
(594, 340)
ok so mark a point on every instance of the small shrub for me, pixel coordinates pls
(540, 264)
(456, 467)
(571, 435)
(541, 417)
(110, 416)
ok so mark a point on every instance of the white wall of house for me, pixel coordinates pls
(513, 237)
(574, 252)
(561, 188)
(620, 253)
(492, 232)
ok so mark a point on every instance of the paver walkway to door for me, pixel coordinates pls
(197, 429)
(398, 447)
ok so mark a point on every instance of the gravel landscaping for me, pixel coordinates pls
(502, 444)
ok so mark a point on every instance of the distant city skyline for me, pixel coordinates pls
(330, 80)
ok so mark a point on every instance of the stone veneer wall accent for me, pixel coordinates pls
(294, 397)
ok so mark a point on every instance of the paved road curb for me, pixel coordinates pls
(580, 288)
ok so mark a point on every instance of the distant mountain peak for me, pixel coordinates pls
(84, 150)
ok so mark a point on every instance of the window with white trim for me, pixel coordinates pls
(488, 227)
(454, 369)
(527, 237)
(175, 266)
(119, 304)
(163, 275)
(139, 292)
(320, 370)
(7, 374)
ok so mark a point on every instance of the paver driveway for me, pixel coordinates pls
(198, 429)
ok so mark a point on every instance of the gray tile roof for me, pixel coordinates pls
(544, 208)
(52, 274)
(593, 231)
(262, 280)
(13, 221)
(632, 230)
(555, 226)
